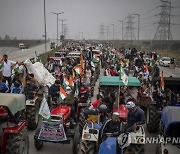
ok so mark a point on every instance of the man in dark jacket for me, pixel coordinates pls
(111, 127)
(54, 90)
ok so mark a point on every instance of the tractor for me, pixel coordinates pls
(14, 137)
(159, 99)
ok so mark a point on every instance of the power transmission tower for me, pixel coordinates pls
(163, 31)
(129, 34)
(101, 32)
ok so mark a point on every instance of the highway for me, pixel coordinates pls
(56, 148)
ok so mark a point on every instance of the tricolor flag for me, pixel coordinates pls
(95, 58)
(44, 110)
(146, 71)
(1, 63)
(65, 82)
(78, 69)
(71, 82)
(15, 68)
(162, 80)
(63, 94)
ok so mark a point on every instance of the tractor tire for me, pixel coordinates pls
(87, 147)
(18, 143)
(32, 116)
(135, 149)
(81, 122)
(76, 141)
(38, 144)
(153, 119)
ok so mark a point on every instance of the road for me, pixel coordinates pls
(20, 55)
(170, 72)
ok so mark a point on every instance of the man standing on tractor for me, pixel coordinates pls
(6, 70)
(135, 117)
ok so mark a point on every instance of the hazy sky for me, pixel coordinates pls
(24, 18)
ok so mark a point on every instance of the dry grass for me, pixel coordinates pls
(167, 53)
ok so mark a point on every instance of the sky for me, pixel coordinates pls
(24, 19)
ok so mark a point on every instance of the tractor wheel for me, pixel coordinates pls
(135, 149)
(38, 144)
(18, 143)
(33, 116)
(76, 141)
(81, 122)
(87, 147)
(153, 119)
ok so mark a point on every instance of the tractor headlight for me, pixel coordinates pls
(87, 136)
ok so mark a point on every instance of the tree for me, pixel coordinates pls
(7, 37)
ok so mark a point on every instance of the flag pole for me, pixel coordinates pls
(119, 91)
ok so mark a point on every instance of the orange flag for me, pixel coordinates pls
(71, 82)
(162, 80)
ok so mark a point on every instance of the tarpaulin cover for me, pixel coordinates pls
(41, 74)
(170, 116)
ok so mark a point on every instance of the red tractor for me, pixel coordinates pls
(13, 136)
(58, 129)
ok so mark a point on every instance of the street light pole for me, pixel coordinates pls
(62, 24)
(57, 22)
(138, 24)
(45, 26)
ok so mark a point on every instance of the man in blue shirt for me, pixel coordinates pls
(135, 117)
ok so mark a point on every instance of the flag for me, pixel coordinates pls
(124, 77)
(78, 69)
(65, 82)
(71, 82)
(15, 68)
(92, 64)
(162, 80)
(76, 94)
(37, 58)
(1, 63)
(73, 74)
(146, 74)
(95, 58)
(44, 110)
(63, 94)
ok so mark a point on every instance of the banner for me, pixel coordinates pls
(52, 131)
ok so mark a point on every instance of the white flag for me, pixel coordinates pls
(124, 77)
(44, 109)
